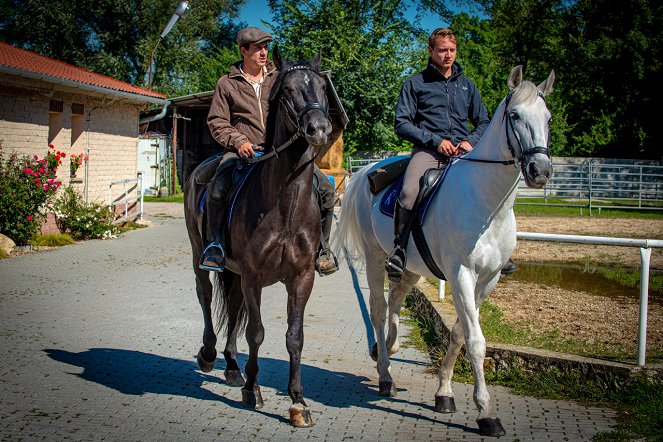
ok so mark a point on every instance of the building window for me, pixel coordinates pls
(55, 123)
(77, 125)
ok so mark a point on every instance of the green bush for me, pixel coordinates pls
(27, 186)
(81, 221)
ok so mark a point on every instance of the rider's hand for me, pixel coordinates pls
(245, 150)
(464, 147)
(446, 147)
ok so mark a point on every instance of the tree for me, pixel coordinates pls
(116, 37)
(369, 46)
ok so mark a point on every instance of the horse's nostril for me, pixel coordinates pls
(534, 169)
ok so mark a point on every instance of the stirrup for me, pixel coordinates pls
(326, 270)
(395, 264)
(208, 264)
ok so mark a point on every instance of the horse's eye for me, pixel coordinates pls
(550, 121)
(515, 116)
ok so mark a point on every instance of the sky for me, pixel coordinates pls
(256, 10)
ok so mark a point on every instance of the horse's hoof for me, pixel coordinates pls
(387, 389)
(491, 427)
(234, 378)
(374, 352)
(252, 398)
(206, 364)
(300, 416)
(445, 404)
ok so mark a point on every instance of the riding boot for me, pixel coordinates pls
(213, 257)
(508, 268)
(397, 261)
(326, 262)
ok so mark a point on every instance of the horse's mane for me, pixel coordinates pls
(526, 92)
(274, 96)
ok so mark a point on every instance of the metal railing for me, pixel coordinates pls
(590, 184)
(130, 194)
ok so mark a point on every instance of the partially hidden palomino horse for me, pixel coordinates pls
(470, 228)
(274, 233)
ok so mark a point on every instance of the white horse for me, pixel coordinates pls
(471, 232)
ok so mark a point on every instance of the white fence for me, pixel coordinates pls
(590, 184)
(132, 192)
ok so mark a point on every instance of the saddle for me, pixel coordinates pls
(428, 186)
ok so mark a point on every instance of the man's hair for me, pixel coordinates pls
(441, 33)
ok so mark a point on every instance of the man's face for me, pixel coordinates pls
(443, 54)
(255, 54)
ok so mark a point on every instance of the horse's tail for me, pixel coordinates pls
(347, 238)
(225, 286)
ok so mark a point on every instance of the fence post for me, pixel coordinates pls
(645, 255)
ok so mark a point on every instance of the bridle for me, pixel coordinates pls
(295, 118)
(524, 153)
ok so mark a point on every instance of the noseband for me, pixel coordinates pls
(294, 117)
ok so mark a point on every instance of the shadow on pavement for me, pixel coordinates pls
(136, 373)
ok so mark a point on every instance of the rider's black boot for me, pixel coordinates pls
(396, 261)
(326, 262)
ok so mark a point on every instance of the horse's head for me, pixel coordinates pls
(528, 126)
(301, 90)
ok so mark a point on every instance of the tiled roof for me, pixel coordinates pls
(24, 60)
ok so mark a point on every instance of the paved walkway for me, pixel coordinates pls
(99, 341)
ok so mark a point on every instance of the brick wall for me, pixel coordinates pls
(108, 126)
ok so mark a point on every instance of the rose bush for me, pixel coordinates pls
(27, 186)
(81, 221)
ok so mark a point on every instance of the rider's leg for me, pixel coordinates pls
(326, 263)
(421, 161)
(214, 256)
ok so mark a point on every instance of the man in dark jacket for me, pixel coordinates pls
(237, 120)
(432, 113)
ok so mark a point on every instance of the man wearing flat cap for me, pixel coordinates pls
(237, 120)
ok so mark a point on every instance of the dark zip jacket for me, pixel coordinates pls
(432, 107)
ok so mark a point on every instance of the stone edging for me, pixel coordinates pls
(502, 357)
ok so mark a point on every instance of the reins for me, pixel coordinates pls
(289, 109)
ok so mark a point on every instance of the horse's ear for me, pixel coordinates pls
(276, 57)
(547, 86)
(315, 63)
(515, 77)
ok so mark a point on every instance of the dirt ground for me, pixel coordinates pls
(577, 315)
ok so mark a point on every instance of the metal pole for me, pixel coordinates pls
(440, 289)
(173, 165)
(645, 255)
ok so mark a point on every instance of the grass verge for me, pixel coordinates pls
(177, 198)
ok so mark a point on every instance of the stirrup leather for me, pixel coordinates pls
(209, 251)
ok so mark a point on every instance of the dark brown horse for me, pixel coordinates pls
(274, 234)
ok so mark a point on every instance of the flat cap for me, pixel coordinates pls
(253, 34)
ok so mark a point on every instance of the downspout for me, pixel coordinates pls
(159, 116)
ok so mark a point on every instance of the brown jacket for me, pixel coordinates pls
(236, 114)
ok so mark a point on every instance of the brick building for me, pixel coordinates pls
(45, 101)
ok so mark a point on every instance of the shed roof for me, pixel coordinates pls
(25, 63)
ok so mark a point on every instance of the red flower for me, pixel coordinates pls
(29, 217)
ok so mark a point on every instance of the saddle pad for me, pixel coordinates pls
(388, 200)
